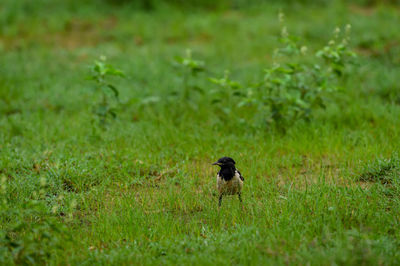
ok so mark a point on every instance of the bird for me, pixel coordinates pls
(229, 179)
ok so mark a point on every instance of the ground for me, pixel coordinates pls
(142, 189)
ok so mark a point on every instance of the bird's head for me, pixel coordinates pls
(225, 162)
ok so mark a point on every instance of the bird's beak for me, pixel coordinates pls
(216, 163)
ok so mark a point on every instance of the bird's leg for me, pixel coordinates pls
(220, 200)
(241, 201)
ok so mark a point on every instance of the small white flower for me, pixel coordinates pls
(303, 50)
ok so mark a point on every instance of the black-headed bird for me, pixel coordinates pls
(229, 179)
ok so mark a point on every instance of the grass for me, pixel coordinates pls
(143, 191)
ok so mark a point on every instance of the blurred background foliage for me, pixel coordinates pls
(29, 5)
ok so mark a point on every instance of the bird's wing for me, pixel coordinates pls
(240, 175)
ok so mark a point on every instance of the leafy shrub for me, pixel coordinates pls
(101, 73)
(223, 97)
(293, 90)
(33, 238)
(190, 68)
(32, 234)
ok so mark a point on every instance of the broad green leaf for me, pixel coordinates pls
(114, 89)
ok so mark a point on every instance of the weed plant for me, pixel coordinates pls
(105, 109)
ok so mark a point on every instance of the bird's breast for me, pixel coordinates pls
(230, 187)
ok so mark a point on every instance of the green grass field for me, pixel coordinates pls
(140, 189)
